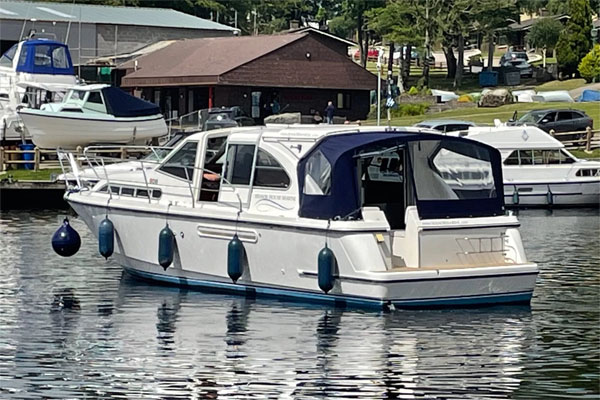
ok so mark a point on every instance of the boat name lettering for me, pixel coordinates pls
(275, 197)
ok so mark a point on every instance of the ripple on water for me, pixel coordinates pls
(78, 327)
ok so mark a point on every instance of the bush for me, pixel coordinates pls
(413, 91)
(589, 67)
(402, 110)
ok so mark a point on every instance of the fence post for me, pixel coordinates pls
(1, 159)
(552, 132)
(588, 140)
(36, 157)
(123, 153)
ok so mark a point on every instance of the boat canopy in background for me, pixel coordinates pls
(590, 95)
(121, 104)
(41, 56)
(328, 181)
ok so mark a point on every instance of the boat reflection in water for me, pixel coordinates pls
(215, 346)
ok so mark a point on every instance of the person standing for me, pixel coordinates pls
(329, 110)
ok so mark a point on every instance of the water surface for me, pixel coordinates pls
(80, 328)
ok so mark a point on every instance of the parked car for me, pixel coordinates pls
(513, 55)
(225, 117)
(558, 120)
(525, 69)
(446, 125)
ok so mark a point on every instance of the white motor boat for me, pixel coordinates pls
(354, 215)
(538, 170)
(94, 114)
(34, 63)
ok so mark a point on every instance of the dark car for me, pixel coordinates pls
(224, 117)
(555, 120)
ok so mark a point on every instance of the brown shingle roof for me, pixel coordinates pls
(205, 58)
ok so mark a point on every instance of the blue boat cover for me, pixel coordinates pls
(343, 198)
(121, 104)
(590, 95)
(41, 56)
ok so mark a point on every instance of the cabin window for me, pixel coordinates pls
(23, 56)
(7, 58)
(269, 172)
(447, 171)
(181, 163)
(94, 102)
(512, 159)
(239, 162)
(156, 193)
(588, 172)
(141, 193)
(317, 180)
(127, 191)
(566, 158)
(103, 189)
(42, 57)
(59, 58)
(115, 190)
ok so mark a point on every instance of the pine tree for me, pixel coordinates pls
(574, 41)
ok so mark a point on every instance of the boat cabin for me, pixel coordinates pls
(351, 175)
(104, 99)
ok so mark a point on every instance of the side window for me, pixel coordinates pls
(239, 164)
(269, 173)
(42, 56)
(23, 56)
(538, 157)
(551, 157)
(7, 58)
(94, 102)
(564, 116)
(525, 157)
(317, 180)
(181, 164)
(59, 58)
(566, 158)
(512, 159)
(550, 117)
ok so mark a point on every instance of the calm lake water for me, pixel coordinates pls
(79, 328)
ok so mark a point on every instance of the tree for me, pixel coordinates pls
(574, 41)
(589, 68)
(544, 33)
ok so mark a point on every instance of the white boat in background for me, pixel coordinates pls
(538, 170)
(31, 72)
(343, 215)
(94, 114)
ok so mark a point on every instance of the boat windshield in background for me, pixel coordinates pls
(42, 56)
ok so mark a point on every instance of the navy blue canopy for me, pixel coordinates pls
(41, 56)
(121, 104)
(343, 196)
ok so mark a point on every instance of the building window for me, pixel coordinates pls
(343, 101)
(269, 173)
(238, 166)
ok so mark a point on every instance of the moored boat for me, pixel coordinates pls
(352, 215)
(94, 114)
(538, 170)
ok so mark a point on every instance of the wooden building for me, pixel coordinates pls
(300, 71)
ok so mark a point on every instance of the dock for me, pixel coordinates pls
(19, 195)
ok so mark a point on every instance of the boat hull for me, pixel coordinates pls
(282, 263)
(547, 194)
(68, 132)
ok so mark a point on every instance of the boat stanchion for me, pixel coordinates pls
(66, 240)
(326, 269)
(515, 196)
(106, 238)
(550, 197)
(166, 246)
(235, 255)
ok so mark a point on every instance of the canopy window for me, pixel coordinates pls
(445, 176)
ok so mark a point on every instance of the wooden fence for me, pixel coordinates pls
(587, 140)
(47, 159)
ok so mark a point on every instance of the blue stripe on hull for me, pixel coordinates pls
(337, 300)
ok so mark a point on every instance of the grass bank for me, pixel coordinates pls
(487, 115)
(568, 84)
(29, 175)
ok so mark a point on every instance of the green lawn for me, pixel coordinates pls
(487, 115)
(29, 175)
(568, 84)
